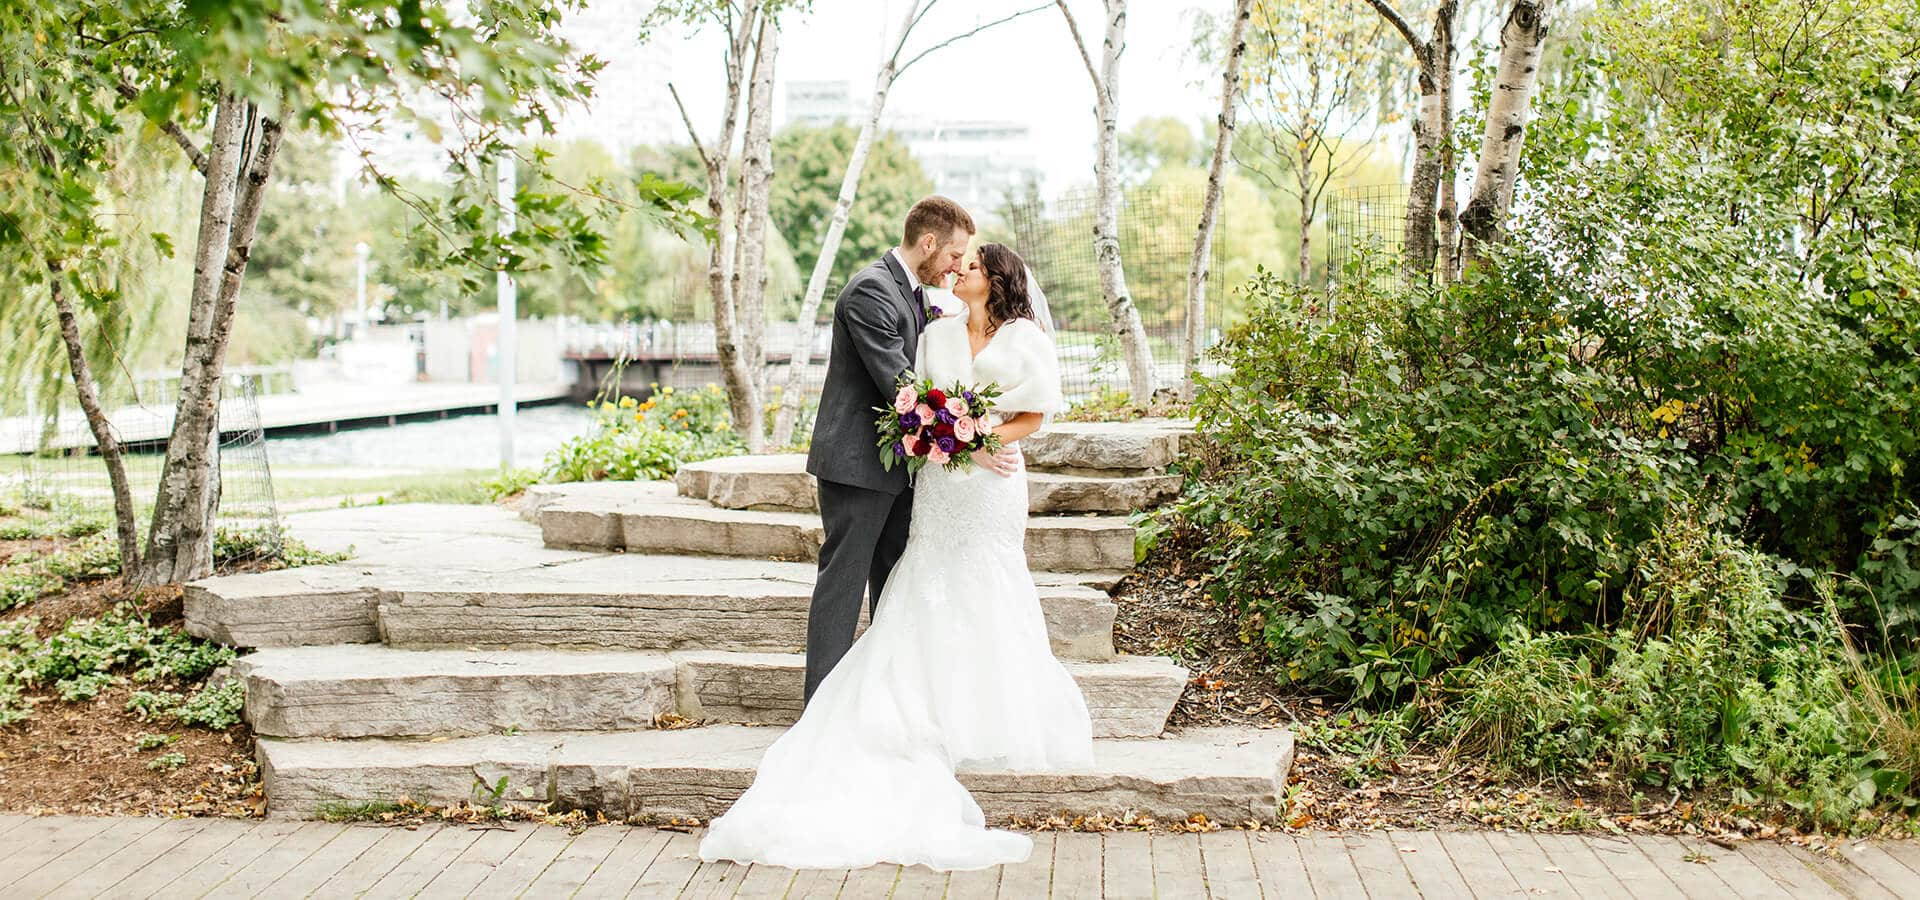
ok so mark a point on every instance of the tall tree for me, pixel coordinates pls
(1432, 160)
(1123, 316)
(737, 194)
(218, 81)
(892, 67)
(1521, 39)
(812, 161)
(1314, 73)
(1210, 206)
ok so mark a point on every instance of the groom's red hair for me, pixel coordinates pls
(938, 215)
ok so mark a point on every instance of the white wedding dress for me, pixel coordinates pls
(954, 670)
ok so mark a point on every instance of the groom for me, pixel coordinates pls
(866, 508)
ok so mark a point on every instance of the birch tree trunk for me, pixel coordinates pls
(801, 358)
(1434, 56)
(1303, 177)
(723, 205)
(126, 530)
(1122, 314)
(1521, 41)
(743, 352)
(180, 540)
(1210, 207)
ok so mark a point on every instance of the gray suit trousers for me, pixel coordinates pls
(866, 531)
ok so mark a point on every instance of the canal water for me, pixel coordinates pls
(453, 443)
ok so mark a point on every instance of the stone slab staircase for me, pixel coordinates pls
(632, 648)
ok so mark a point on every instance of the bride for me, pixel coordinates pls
(955, 668)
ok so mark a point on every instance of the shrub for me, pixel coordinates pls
(167, 762)
(1389, 490)
(19, 588)
(86, 655)
(509, 483)
(214, 706)
(647, 440)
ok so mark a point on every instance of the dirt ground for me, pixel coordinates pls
(82, 758)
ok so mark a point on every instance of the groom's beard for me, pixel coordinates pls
(929, 273)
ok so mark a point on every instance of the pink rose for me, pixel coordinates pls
(925, 411)
(963, 428)
(956, 406)
(937, 456)
(903, 402)
(911, 444)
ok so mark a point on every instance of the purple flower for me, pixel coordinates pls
(943, 416)
(947, 444)
(899, 450)
(910, 421)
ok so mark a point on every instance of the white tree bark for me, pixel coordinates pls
(179, 545)
(743, 352)
(801, 359)
(1521, 40)
(180, 540)
(1210, 206)
(743, 24)
(891, 69)
(1123, 316)
(1434, 56)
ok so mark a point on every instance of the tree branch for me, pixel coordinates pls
(195, 155)
(1079, 44)
(961, 37)
(692, 135)
(1393, 18)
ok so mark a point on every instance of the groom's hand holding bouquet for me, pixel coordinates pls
(927, 424)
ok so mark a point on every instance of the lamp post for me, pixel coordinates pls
(509, 310)
(360, 251)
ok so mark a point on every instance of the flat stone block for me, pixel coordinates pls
(1229, 774)
(366, 691)
(1126, 696)
(1145, 445)
(652, 519)
(290, 607)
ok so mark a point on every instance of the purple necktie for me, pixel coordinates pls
(920, 306)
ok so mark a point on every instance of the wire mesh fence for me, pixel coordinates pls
(1157, 227)
(1367, 216)
(51, 459)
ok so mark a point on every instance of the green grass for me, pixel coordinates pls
(356, 811)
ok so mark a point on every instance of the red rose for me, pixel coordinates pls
(936, 398)
(942, 429)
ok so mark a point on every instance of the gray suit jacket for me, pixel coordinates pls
(876, 325)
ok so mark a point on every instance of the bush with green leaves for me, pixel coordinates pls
(1711, 679)
(1386, 492)
(87, 655)
(635, 440)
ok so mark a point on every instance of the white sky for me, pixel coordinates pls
(1025, 71)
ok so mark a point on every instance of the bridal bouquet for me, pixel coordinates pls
(929, 425)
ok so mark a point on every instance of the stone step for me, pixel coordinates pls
(1107, 448)
(362, 690)
(649, 517)
(1128, 696)
(781, 483)
(1228, 774)
(765, 614)
(555, 599)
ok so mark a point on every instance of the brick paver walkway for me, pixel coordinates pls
(65, 856)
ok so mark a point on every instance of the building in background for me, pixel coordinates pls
(978, 163)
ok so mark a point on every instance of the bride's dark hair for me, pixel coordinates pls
(1006, 285)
